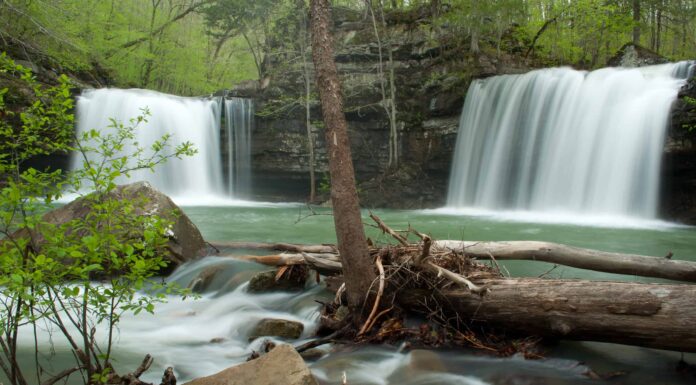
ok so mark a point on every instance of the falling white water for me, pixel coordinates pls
(565, 141)
(185, 119)
(239, 122)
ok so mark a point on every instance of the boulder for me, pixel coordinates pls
(185, 241)
(265, 281)
(282, 365)
(277, 328)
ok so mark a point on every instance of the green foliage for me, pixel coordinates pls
(325, 184)
(159, 45)
(193, 47)
(47, 269)
(691, 101)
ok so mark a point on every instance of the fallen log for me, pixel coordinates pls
(324, 263)
(651, 315)
(291, 247)
(656, 267)
(630, 264)
(274, 259)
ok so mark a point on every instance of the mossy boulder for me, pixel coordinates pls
(185, 242)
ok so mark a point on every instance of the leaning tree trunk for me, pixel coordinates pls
(352, 244)
(650, 315)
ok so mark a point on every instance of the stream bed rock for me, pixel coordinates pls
(274, 327)
(282, 365)
(266, 281)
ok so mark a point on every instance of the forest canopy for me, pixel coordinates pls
(194, 47)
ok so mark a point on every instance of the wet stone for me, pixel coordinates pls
(277, 328)
(265, 281)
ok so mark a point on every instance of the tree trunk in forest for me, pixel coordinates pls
(307, 75)
(636, 22)
(352, 244)
(650, 315)
(658, 33)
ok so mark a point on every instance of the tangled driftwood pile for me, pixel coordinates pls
(449, 282)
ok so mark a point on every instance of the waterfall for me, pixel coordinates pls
(185, 119)
(239, 122)
(565, 141)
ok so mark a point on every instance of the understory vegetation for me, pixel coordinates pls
(75, 278)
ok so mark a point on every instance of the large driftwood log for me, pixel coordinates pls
(656, 267)
(651, 315)
(291, 247)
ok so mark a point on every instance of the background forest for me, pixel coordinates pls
(194, 47)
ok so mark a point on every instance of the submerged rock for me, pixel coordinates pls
(282, 365)
(293, 280)
(313, 354)
(203, 280)
(274, 327)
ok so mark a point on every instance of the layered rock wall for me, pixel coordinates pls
(431, 80)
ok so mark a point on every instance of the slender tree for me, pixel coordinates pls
(352, 244)
(636, 22)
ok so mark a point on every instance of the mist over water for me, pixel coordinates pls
(565, 142)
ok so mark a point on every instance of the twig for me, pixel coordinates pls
(456, 278)
(426, 250)
(320, 341)
(380, 290)
(144, 366)
(61, 375)
(339, 293)
(312, 213)
(383, 226)
(280, 272)
(418, 233)
(378, 316)
(550, 270)
(217, 251)
(497, 265)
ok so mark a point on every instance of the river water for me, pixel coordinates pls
(201, 337)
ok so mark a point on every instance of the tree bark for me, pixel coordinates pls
(630, 264)
(650, 315)
(352, 244)
(307, 75)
